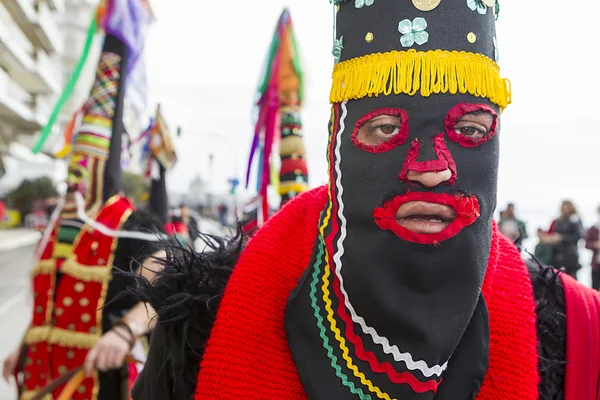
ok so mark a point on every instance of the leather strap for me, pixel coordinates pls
(52, 386)
(72, 385)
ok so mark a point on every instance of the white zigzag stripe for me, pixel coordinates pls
(367, 330)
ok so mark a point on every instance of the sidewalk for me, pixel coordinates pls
(11, 239)
(211, 227)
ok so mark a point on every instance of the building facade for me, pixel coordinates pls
(30, 67)
(40, 44)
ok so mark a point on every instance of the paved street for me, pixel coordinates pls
(15, 304)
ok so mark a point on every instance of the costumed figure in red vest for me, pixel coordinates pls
(159, 156)
(279, 125)
(82, 342)
(393, 281)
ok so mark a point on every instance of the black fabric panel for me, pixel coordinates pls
(159, 199)
(112, 385)
(462, 380)
(112, 170)
(551, 326)
(448, 26)
(469, 363)
(155, 382)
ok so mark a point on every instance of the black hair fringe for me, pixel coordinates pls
(551, 328)
(186, 295)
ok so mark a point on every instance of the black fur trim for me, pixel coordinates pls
(551, 328)
(186, 295)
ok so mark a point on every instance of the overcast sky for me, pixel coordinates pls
(204, 58)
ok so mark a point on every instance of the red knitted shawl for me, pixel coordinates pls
(247, 355)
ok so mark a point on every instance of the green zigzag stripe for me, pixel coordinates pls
(332, 357)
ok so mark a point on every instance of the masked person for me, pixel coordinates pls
(279, 122)
(393, 282)
(97, 235)
(160, 157)
(511, 226)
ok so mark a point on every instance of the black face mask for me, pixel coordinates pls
(407, 298)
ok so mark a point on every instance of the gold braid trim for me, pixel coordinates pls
(84, 273)
(30, 394)
(78, 340)
(37, 334)
(44, 267)
(411, 72)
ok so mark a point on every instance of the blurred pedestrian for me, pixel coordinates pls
(564, 235)
(223, 210)
(511, 226)
(188, 219)
(592, 242)
(544, 252)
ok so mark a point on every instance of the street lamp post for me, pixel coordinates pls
(211, 158)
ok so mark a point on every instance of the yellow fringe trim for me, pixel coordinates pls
(62, 337)
(37, 334)
(84, 273)
(28, 395)
(44, 267)
(411, 72)
(285, 188)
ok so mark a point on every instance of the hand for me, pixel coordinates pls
(555, 238)
(597, 245)
(10, 364)
(109, 353)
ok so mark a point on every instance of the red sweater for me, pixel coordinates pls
(247, 355)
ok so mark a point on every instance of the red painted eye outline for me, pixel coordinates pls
(459, 111)
(396, 140)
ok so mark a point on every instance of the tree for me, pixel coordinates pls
(24, 195)
(134, 187)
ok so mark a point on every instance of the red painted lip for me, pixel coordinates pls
(454, 211)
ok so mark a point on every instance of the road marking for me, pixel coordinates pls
(12, 301)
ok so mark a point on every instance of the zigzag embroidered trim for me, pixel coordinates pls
(326, 244)
(411, 72)
(317, 312)
(399, 356)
